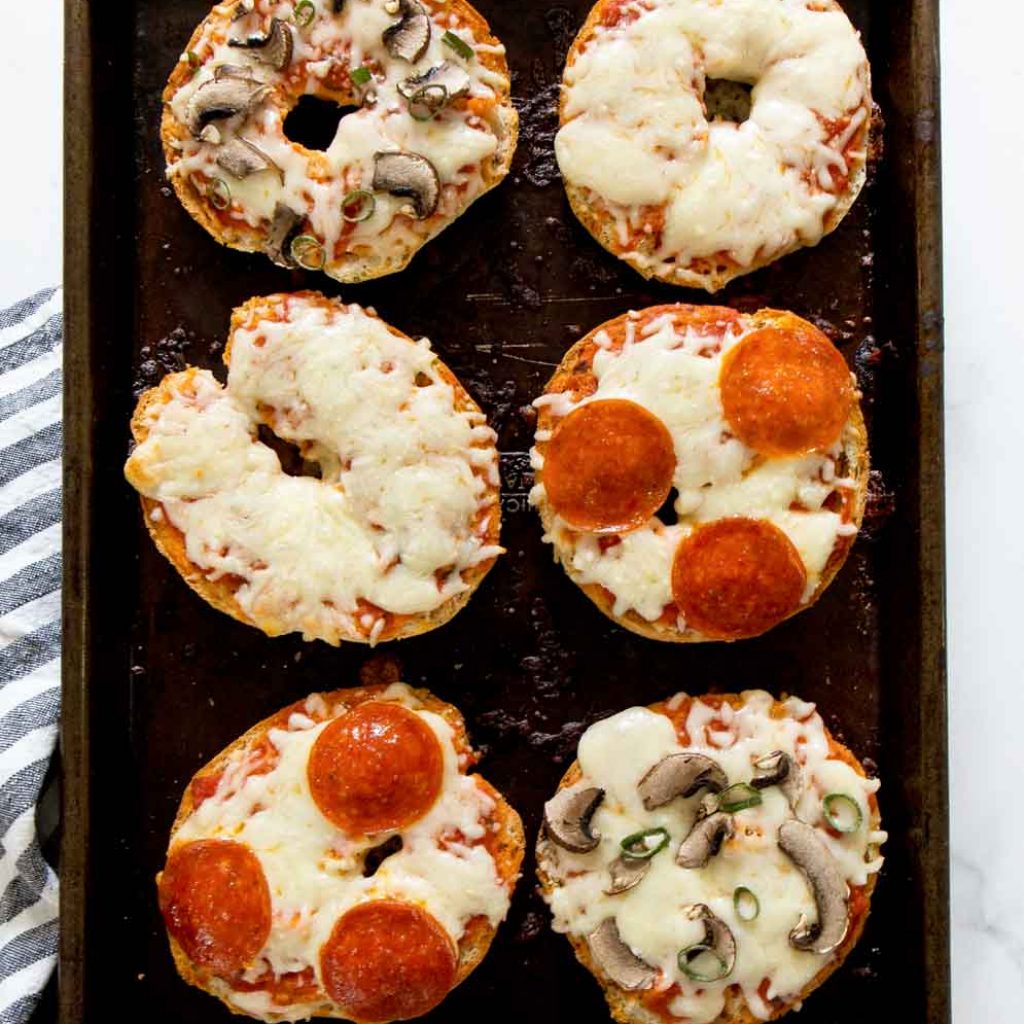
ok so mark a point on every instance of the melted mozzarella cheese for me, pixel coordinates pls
(615, 754)
(674, 374)
(314, 871)
(461, 145)
(392, 521)
(636, 134)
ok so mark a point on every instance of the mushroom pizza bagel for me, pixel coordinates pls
(433, 130)
(700, 472)
(337, 861)
(677, 166)
(711, 859)
(387, 518)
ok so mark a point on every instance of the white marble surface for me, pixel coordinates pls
(983, 145)
(983, 157)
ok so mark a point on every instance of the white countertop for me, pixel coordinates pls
(983, 147)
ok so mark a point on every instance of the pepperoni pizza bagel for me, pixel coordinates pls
(674, 165)
(711, 859)
(393, 518)
(433, 129)
(337, 861)
(701, 472)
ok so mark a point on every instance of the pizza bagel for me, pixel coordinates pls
(338, 861)
(711, 859)
(388, 516)
(675, 165)
(701, 473)
(433, 129)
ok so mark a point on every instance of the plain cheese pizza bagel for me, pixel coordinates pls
(337, 861)
(433, 130)
(663, 180)
(701, 473)
(392, 519)
(711, 858)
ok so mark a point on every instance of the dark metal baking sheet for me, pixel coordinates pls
(155, 681)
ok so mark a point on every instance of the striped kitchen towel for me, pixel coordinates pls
(30, 513)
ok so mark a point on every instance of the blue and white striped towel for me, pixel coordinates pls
(30, 523)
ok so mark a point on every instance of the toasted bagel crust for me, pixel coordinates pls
(506, 846)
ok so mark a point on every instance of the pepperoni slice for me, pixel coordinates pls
(786, 390)
(737, 577)
(377, 767)
(608, 466)
(386, 960)
(215, 900)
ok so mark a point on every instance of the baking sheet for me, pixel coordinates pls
(155, 681)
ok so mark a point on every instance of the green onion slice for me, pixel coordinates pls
(701, 962)
(308, 252)
(219, 194)
(745, 903)
(842, 812)
(358, 206)
(459, 45)
(644, 845)
(738, 797)
(360, 75)
(426, 102)
(304, 12)
(193, 61)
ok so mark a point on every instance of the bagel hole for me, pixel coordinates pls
(313, 122)
(834, 502)
(667, 512)
(375, 857)
(725, 100)
(288, 454)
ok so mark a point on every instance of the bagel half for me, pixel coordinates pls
(634, 231)
(575, 382)
(266, 209)
(556, 868)
(146, 473)
(503, 836)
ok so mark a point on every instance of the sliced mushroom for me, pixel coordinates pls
(409, 37)
(240, 158)
(805, 849)
(222, 98)
(274, 48)
(704, 840)
(717, 935)
(242, 8)
(625, 872)
(374, 857)
(567, 818)
(452, 77)
(779, 769)
(680, 775)
(233, 71)
(283, 228)
(211, 134)
(408, 174)
(617, 960)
